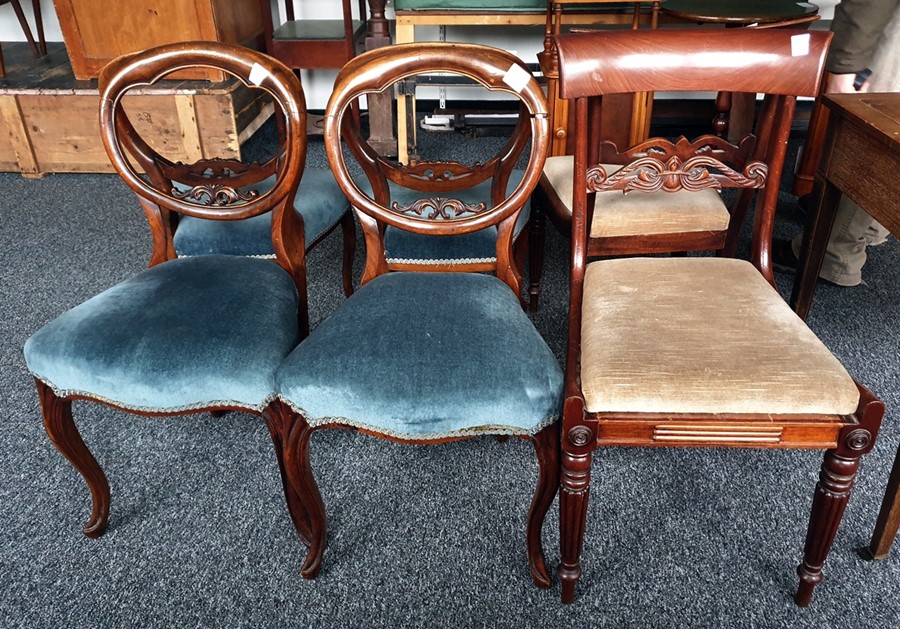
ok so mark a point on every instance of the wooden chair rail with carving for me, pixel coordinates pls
(697, 351)
(413, 380)
(194, 334)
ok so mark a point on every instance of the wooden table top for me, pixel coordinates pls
(878, 113)
(738, 12)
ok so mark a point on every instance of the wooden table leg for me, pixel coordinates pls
(381, 106)
(888, 517)
(815, 238)
(404, 33)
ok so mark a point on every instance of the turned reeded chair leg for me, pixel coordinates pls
(546, 446)
(832, 494)
(574, 490)
(64, 434)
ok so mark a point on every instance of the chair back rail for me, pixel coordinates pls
(770, 61)
(209, 188)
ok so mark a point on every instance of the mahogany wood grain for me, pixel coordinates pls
(438, 212)
(218, 183)
(741, 60)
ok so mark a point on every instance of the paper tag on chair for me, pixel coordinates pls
(258, 74)
(517, 78)
(800, 45)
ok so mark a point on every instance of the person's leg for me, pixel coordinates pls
(845, 253)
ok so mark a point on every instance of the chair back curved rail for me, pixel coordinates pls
(441, 215)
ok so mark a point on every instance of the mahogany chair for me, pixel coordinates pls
(194, 334)
(435, 357)
(697, 351)
(690, 220)
(39, 48)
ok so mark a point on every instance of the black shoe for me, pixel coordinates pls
(783, 258)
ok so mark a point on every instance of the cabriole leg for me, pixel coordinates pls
(300, 476)
(279, 420)
(546, 446)
(64, 434)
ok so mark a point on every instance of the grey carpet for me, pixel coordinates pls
(418, 536)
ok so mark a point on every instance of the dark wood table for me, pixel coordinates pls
(738, 12)
(861, 159)
(736, 111)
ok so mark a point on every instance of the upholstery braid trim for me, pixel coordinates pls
(169, 410)
(487, 429)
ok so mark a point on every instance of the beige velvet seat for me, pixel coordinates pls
(694, 351)
(716, 350)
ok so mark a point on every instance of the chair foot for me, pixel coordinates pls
(61, 429)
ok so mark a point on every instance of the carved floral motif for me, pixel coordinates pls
(440, 208)
(659, 164)
(215, 194)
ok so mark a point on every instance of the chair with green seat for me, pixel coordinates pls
(189, 334)
(420, 357)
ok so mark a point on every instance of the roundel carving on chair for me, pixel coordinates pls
(858, 439)
(580, 436)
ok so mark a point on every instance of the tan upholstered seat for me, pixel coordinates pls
(715, 350)
(640, 213)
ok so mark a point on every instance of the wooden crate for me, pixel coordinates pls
(97, 31)
(49, 121)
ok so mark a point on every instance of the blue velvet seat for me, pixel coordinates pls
(434, 356)
(195, 333)
(439, 354)
(185, 334)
